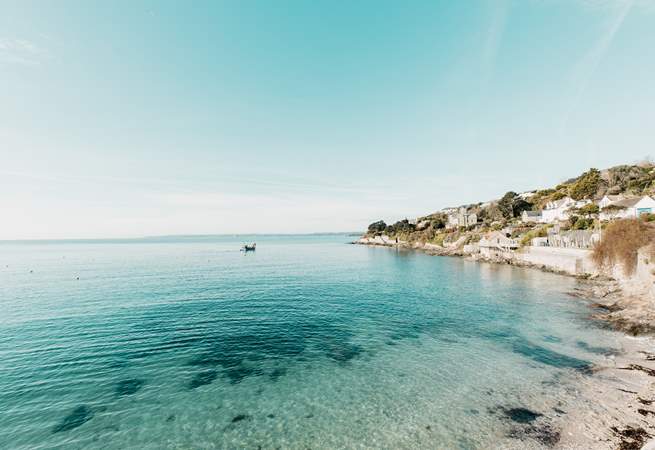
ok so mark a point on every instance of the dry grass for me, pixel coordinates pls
(621, 241)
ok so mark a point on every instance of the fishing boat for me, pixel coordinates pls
(249, 248)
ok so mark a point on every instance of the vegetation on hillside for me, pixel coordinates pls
(512, 205)
(497, 215)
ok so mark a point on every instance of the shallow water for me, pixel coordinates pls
(306, 343)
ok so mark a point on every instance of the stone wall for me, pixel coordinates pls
(573, 261)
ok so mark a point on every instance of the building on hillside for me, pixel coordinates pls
(559, 209)
(531, 216)
(609, 199)
(460, 218)
(628, 208)
(496, 244)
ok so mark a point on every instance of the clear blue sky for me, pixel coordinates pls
(143, 118)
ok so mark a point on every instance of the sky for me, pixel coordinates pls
(138, 118)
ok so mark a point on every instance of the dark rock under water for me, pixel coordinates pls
(240, 417)
(544, 434)
(76, 418)
(549, 357)
(128, 387)
(521, 415)
(203, 378)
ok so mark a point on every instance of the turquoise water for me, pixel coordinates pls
(306, 343)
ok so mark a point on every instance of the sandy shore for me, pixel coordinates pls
(614, 408)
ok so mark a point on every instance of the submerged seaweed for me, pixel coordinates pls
(76, 418)
(203, 378)
(128, 387)
(549, 357)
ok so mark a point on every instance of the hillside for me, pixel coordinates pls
(505, 213)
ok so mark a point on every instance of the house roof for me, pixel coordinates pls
(497, 235)
(627, 203)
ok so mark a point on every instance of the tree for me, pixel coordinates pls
(506, 204)
(377, 227)
(519, 205)
(490, 214)
(402, 226)
(586, 185)
(512, 205)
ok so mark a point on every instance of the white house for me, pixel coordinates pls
(559, 209)
(496, 243)
(531, 216)
(539, 242)
(627, 208)
(609, 199)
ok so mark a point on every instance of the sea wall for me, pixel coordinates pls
(573, 261)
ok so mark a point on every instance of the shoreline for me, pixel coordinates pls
(619, 395)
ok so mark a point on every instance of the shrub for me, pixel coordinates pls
(438, 239)
(490, 214)
(589, 209)
(573, 220)
(583, 224)
(438, 223)
(537, 232)
(558, 195)
(402, 226)
(621, 241)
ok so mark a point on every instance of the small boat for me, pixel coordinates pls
(249, 248)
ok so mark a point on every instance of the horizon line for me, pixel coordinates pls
(178, 236)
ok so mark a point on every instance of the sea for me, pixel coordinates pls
(186, 342)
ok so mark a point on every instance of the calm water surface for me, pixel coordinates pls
(306, 343)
